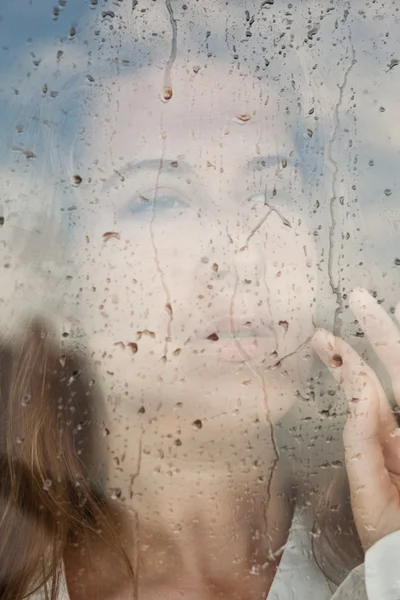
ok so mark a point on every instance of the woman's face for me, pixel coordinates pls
(197, 280)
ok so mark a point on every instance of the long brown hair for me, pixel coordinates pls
(53, 505)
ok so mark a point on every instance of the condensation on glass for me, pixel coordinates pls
(187, 191)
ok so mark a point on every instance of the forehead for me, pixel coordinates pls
(214, 110)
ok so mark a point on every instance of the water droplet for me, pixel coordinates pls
(1, 221)
(382, 109)
(388, 192)
(197, 425)
(116, 493)
(133, 347)
(371, 163)
(77, 179)
(284, 163)
(29, 154)
(167, 93)
(397, 262)
(243, 118)
(337, 360)
(108, 235)
(213, 337)
(26, 400)
(284, 324)
(47, 484)
(312, 32)
(146, 332)
(393, 63)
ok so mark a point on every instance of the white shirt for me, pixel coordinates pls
(379, 577)
(299, 578)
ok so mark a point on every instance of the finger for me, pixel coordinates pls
(383, 334)
(371, 486)
(397, 313)
(365, 461)
(359, 381)
(348, 368)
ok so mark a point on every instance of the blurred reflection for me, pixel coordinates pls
(176, 206)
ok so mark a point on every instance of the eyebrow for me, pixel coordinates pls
(181, 167)
(154, 164)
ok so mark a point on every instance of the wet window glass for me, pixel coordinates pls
(199, 266)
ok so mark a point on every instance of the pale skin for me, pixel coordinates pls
(371, 435)
(214, 504)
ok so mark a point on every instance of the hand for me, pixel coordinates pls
(371, 436)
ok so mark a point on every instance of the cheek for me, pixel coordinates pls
(127, 285)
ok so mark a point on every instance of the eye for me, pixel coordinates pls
(160, 199)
